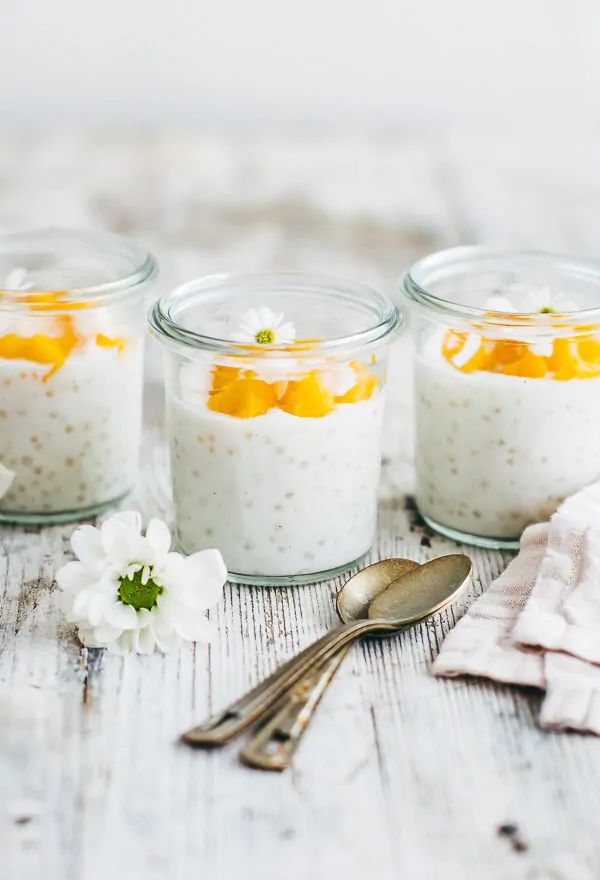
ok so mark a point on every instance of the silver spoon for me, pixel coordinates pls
(421, 591)
(237, 717)
(245, 711)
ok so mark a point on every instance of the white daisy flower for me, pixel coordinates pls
(544, 301)
(526, 300)
(264, 327)
(128, 592)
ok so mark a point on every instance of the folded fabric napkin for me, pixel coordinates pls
(539, 622)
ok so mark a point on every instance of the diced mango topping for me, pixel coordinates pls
(245, 397)
(51, 348)
(243, 394)
(307, 398)
(571, 358)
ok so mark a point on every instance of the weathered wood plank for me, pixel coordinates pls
(401, 774)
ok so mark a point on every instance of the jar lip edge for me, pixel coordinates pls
(413, 289)
(95, 294)
(168, 329)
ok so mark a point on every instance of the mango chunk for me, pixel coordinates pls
(245, 398)
(529, 366)
(307, 398)
(223, 376)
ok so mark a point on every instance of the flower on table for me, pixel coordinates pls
(129, 592)
(263, 327)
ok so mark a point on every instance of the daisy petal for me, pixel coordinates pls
(159, 536)
(86, 637)
(123, 645)
(105, 633)
(121, 616)
(162, 622)
(73, 577)
(205, 576)
(80, 603)
(87, 546)
(171, 571)
(286, 333)
(194, 627)
(130, 518)
(123, 543)
(96, 608)
(146, 641)
(169, 644)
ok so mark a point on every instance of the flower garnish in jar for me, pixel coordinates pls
(507, 373)
(275, 387)
(71, 366)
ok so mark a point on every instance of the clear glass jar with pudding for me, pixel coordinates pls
(71, 367)
(275, 388)
(507, 388)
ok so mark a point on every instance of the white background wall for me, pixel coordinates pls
(376, 63)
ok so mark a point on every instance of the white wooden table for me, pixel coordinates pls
(402, 775)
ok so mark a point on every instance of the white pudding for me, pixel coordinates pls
(497, 452)
(71, 439)
(278, 494)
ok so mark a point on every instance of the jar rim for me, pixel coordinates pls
(143, 265)
(166, 327)
(413, 285)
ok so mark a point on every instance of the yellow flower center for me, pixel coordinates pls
(265, 337)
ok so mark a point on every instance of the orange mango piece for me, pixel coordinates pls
(530, 366)
(589, 349)
(245, 398)
(307, 398)
(223, 376)
(505, 351)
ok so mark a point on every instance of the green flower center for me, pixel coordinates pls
(265, 337)
(140, 595)
(546, 310)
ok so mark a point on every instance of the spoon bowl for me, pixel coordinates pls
(353, 600)
(431, 588)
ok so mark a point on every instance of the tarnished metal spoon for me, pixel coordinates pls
(414, 596)
(233, 720)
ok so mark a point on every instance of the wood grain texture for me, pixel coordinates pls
(402, 775)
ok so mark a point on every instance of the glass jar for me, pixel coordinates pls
(71, 368)
(275, 388)
(507, 388)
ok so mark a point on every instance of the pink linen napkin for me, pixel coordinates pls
(539, 622)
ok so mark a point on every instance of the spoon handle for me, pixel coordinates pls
(225, 725)
(273, 746)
